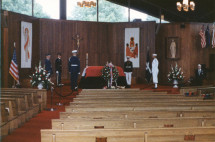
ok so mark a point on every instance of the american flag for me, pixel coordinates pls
(213, 37)
(14, 67)
(203, 39)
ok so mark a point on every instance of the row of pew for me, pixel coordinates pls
(18, 105)
(133, 115)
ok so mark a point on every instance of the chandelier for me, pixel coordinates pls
(185, 5)
(87, 3)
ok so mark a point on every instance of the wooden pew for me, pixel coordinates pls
(25, 105)
(135, 114)
(197, 134)
(146, 108)
(39, 95)
(112, 90)
(107, 101)
(209, 90)
(11, 105)
(29, 98)
(192, 88)
(122, 93)
(140, 104)
(4, 113)
(128, 95)
(135, 96)
(21, 108)
(135, 99)
(67, 124)
(21, 99)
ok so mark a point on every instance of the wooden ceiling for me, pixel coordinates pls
(204, 11)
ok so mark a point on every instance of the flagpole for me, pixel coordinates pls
(14, 81)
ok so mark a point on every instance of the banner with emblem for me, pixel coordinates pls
(132, 37)
(26, 44)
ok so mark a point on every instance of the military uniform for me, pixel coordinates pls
(58, 68)
(48, 67)
(128, 68)
(74, 69)
(155, 70)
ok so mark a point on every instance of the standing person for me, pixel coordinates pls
(48, 66)
(155, 70)
(128, 68)
(58, 68)
(199, 75)
(74, 70)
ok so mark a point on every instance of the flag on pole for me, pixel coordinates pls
(14, 67)
(203, 39)
(208, 37)
(148, 73)
(213, 37)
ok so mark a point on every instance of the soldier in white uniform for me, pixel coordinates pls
(155, 70)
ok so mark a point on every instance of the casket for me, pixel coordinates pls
(92, 78)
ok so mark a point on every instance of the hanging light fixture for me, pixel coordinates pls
(87, 3)
(185, 5)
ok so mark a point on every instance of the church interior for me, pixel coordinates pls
(107, 75)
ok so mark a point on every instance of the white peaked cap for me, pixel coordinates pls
(128, 57)
(74, 51)
(199, 65)
(154, 54)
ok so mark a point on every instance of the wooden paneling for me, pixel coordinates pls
(5, 63)
(190, 48)
(14, 35)
(102, 41)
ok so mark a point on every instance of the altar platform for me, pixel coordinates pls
(92, 78)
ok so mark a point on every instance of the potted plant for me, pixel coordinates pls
(40, 78)
(175, 75)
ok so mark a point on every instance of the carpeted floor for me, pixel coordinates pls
(30, 131)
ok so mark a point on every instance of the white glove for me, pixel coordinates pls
(79, 73)
(57, 71)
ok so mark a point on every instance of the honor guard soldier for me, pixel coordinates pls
(48, 66)
(155, 70)
(74, 70)
(58, 68)
(128, 68)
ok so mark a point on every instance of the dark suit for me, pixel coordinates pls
(48, 66)
(199, 77)
(74, 69)
(128, 66)
(58, 67)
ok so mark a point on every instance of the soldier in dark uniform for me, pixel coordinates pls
(74, 69)
(58, 68)
(199, 75)
(128, 68)
(48, 66)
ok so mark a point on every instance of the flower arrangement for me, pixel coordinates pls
(175, 74)
(40, 76)
(110, 71)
